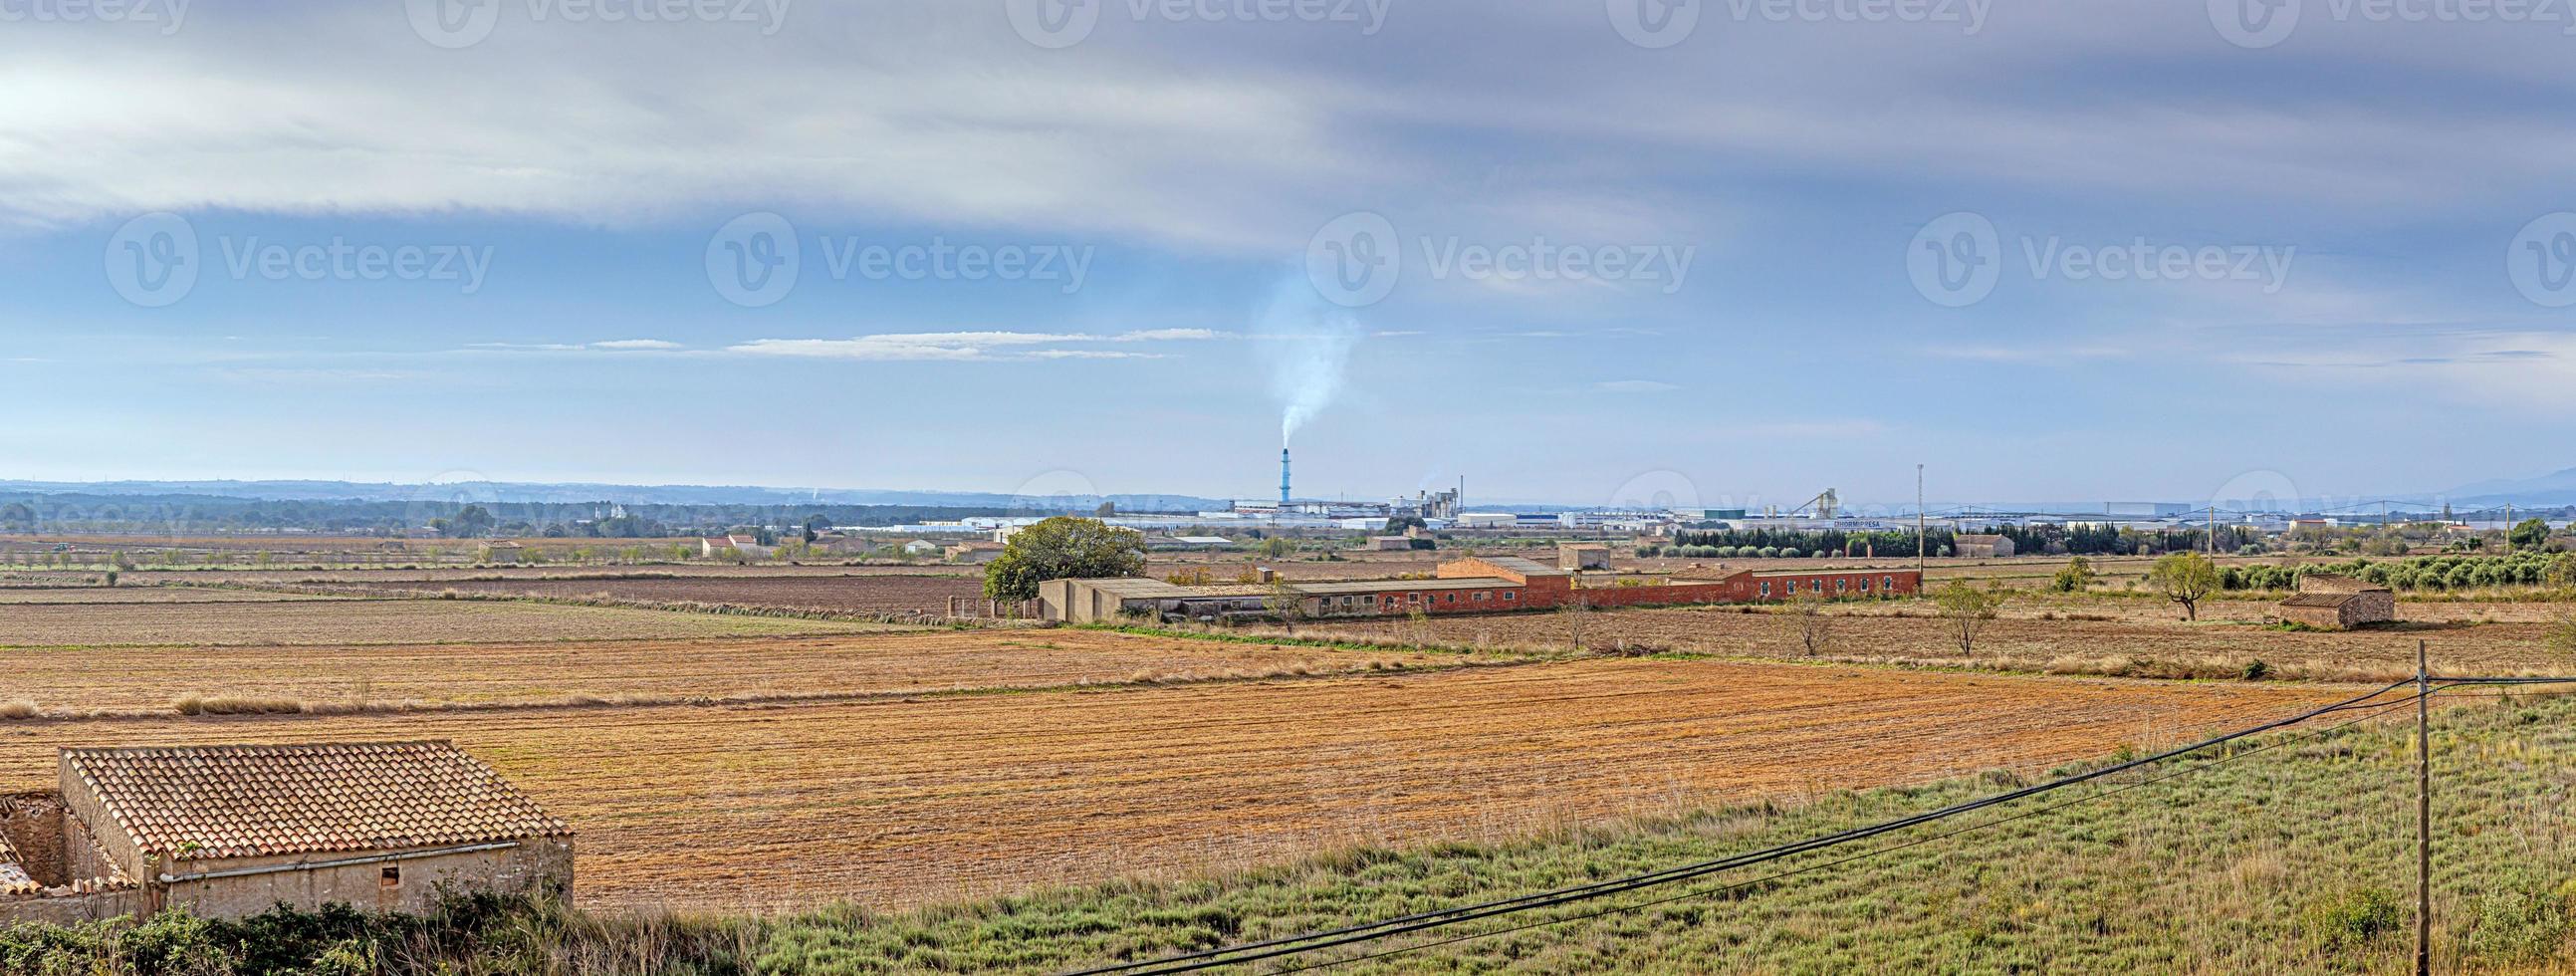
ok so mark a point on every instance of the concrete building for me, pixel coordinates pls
(2339, 603)
(1390, 543)
(1576, 557)
(232, 831)
(1982, 546)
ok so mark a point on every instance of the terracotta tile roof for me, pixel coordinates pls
(13, 879)
(256, 801)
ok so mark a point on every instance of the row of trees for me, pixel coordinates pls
(2529, 567)
(1770, 543)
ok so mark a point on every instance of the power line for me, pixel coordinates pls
(2382, 708)
(1310, 942)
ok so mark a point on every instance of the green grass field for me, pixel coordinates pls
(2293, 855)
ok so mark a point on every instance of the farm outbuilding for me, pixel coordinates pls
(2339, 603)
(1490, 584)
(1983, 547)
(1576, 557)
(232, 831)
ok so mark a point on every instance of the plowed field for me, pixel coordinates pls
(369, 622)
(86, 679)
(830, 594)
(896, 803)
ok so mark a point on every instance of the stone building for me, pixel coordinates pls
(231, 831)
(2339, 603)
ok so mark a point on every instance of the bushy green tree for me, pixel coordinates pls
(2531, 534)
(1062, 548)
(2185, 578)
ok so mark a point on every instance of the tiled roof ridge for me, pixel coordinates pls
(211, 800)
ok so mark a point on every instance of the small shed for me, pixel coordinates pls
(1390, 543)
(1576, 557)
(232, 831)
(2339, 603)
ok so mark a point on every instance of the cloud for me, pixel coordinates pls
(640, 344)
(960, 346)
(1635, 386)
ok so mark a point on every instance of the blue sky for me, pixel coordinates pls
(1106, 255)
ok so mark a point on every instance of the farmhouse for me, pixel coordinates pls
(231, 831)
(1983, 547)
(1492, 584)
(975, 552)
(1390, 543)
(745, 546)
(2339, 603)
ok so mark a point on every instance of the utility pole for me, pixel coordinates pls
(2213, 532)
(1922, 535)
(2423, 813)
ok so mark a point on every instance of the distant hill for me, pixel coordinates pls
(576, 493)
(2557, 488)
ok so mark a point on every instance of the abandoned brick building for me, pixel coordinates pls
(230, 831)
(1475, 584)
(2339, 603)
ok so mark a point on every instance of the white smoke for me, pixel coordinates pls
(1308, 342)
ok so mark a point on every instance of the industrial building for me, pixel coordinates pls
(1473, 585)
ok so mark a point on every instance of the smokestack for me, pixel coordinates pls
(1283, 478)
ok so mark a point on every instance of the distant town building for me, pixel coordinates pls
(232, 831)
(2339, 603)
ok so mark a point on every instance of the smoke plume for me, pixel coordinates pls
(1308, 343)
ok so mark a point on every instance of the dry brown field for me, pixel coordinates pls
(2064, 635)
(91, 595)
(419, 574)
(227, 623)
(894, 803)
(86, 679)
(873, 593)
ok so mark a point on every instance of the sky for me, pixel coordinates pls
(1728, 252)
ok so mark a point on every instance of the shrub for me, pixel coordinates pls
(2352, 920)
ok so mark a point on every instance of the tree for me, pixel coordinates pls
(1062, 548)
(1966, 609)
(1815, 626)
(1288, 603)
(2531, 533)
(2077, 577)
(2185, 578)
